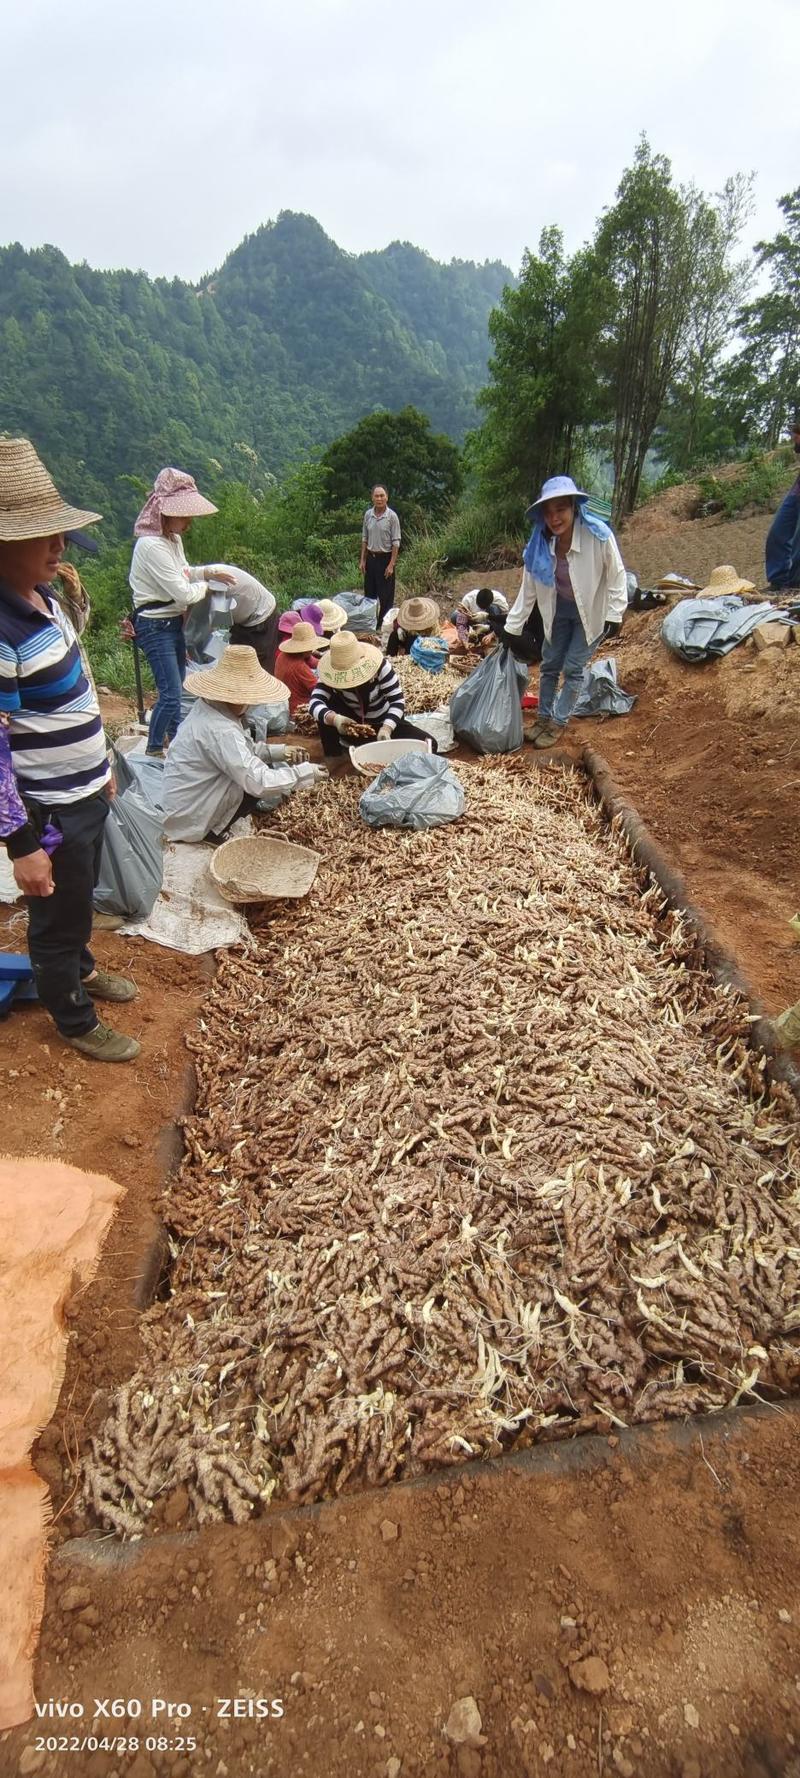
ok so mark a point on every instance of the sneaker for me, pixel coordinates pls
(154, 753)
(104, 986)
(104, 1045)
(548, 736)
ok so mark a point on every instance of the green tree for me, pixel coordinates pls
(694, 427)
(645, 246)
(761, 385)
(420, 468)
(544, 390)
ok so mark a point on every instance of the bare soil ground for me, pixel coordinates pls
(672, 1559)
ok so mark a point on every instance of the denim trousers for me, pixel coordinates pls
(567, 652)
(783, 543)
(60, 925)
(162, 643)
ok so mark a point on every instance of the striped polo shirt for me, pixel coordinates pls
(58, 746)
(380, 700)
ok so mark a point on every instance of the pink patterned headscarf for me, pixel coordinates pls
(175, 495)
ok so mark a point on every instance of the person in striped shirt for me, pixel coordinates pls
(358, 696)
(59, 757)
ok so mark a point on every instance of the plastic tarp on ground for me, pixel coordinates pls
(600, 695)
(704, 629)
(486, 711)
(418, 790)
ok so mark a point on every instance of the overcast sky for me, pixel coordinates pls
(156, 136)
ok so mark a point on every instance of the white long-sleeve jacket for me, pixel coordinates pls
(212, 764)
(597, 574)
(162, 583)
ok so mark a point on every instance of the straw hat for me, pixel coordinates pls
(30, 504)
(348, 662)
(303, 639)
(418, 615)
(725, 580)
(237, 679)
(333, 617)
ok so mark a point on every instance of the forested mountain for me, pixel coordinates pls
(284, 347)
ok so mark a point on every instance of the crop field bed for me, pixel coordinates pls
(479, 1158)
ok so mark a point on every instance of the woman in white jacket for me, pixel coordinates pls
(163, 587)
(574, 572)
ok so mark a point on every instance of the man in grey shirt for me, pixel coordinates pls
(380, 542)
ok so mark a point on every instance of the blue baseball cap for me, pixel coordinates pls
(559, 487)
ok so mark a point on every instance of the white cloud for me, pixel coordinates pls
(157, 136)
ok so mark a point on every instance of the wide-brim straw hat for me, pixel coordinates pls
(348, 663)
(725, 580)
(333, 617)
(238, 678)
(30, 504)
(303, 640)
(417, 615)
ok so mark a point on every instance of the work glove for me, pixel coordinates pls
(610, 630)
(296, 756)
(386, 731)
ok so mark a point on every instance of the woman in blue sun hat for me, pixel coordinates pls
(574, 572)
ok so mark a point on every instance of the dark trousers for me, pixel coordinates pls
(263, 638)
(376, 586)
(334, 744)
(60, 925)
(783, 543)
(162, 643)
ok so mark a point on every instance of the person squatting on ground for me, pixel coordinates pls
(163, 587)
(358, 697)
(380, 542)
(415, 617)
(480, 614)
(782, 551)
(214, 772)
(296, 663)
(59, 758)
(574, 572)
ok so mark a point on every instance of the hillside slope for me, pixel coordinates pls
(284, 347)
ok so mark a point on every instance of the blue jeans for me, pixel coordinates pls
(569, 652)
(162, 644)
(783, 543)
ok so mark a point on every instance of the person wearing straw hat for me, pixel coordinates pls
(333, 617)
(59, 758)
(297, 659)
(358, 697)
(415, 617)
(213, 772)
(163, 587)
(575, 574)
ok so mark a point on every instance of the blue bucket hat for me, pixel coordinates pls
(559, 487)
